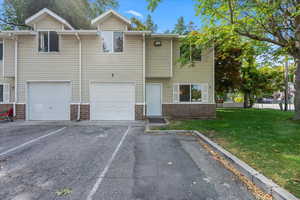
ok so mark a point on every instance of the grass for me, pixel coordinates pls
(266, 139)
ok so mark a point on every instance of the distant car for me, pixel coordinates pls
(265, 100)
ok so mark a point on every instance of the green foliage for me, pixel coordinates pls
(137, 25)
(63, 192)
(15, 12)
(150, 25)
(153, 4)
(266, 139)
(180, 27)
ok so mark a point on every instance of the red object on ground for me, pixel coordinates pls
(7, 115)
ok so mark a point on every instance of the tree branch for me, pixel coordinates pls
(13, 24)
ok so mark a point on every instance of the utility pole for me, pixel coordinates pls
(286, 81)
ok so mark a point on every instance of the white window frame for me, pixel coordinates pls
(189, 84)
(48, 31)
(113, 43)
(5, 99)
(191, 102)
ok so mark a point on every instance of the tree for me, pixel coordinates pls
(180, 27)
(191, 26)
(137, 25)
(15, 12)
(274, 22)
(150, 24)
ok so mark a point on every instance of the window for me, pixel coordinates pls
(1, 93)
(190, 93)
(190, 52)
(112, 42)
(1, 51)
(48, 41)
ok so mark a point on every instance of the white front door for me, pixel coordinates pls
(153, 99)
(114, 101)
(49, 101)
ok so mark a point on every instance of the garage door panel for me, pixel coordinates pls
(112, 101)
(49, 101)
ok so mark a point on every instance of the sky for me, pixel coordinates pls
(165, 15)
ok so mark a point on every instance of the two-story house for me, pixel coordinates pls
(54, 72)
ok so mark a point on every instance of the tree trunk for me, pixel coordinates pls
(297, 94)
(245, 100)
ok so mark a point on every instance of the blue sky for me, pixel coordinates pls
(166, 14)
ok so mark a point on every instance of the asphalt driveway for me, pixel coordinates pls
(103, 162)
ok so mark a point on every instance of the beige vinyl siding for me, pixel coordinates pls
(9, 58)
(55, 66)
(48, 23)
(158, 59)
(10, 81)
(115, 67)
(202, 72)
(113, 24)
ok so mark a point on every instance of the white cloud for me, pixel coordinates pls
(135, 13)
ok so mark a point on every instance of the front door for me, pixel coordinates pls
(153, 99)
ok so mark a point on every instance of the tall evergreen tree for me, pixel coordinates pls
(180, 27)
(150, 24)
(15, 12)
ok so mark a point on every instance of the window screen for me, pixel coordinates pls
(118, 42)
(107, 41)
(54, 42)
(1, 93)
(43, 42)
(196, 93)
(112, 41)
(1, 51)
(185, 93)
(48, 41)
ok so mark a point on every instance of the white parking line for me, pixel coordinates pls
(31, 141)
(103, 173)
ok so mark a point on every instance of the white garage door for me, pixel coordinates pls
(112, 101)
(49, 101)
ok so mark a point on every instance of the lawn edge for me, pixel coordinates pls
(261, 181)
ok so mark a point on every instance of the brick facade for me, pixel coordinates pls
(139, 112)
(20, 112)
(190, 111)
(84, 112)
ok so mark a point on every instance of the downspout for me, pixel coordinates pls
(16, 75)
(144, 73)
(80, 76)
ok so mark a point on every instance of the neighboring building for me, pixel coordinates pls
(55, 72)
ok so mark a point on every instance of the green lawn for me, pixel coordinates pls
(266, 139)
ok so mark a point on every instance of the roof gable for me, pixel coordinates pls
(46, 11)
(107, 14)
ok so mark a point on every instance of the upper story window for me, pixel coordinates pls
(1, 92)
(48, 41)
(112, 42)
(1, 51)
(190, 52)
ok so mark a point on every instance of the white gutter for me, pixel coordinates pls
(16, 75)
(80, 76)
(144, 72)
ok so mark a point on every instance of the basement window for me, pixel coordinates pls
(112, 42)
(48, 41)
